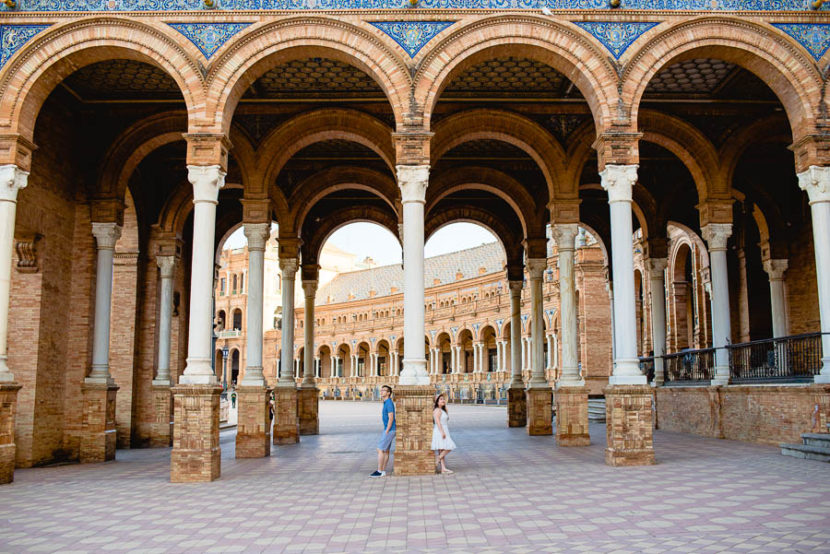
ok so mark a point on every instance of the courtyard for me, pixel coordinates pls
(510, 492)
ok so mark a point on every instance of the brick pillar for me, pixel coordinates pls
(98, 428)
(307, 411)
(286, 428)
(539, 411)
(413, 410)
(516, 408)
(196, 455)
(161, 431)
(8, 406)
(572, 416)
(822, 416)
(629, 425)
(253, 429)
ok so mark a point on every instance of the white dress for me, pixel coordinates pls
(438, 442)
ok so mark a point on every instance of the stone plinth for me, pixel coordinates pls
(540, 411)
(413, 409)
(253, 426)
(161, 432)
(822, 419)
(572, 416)
(516, 407)
(286, 427)
(628, 416)
(196, 453)
(98, 433)
(307, 411)
(8, 407)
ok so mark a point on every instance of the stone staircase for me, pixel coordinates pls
(596, 410)
(814, 446)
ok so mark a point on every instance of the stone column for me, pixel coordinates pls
(162, 431)
(716, 236)
(476, 357)
(628, 396)
(539, 396)
(776, 269)
(196, 453)
(516, 401)
(98, 433)
(816, 182)
(657, 270)
(286, 426)
(12, 180)
(253, 435)
(414, 393)
(307, 395)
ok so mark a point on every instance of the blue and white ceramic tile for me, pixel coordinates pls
(616, 37)
(208, 37)
(412, 35)
(12, 37)
(815, 38)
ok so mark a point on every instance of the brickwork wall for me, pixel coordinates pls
(800, 285)
(146, 353)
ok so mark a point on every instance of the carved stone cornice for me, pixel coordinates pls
(207, 180)
(26, 248)
(413, 181)
(716, 235)
(106, 235)
(816, 183)
(619, 181)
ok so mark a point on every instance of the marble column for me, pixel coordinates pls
(816, 182)
(776, 269)
(476, 357)
(539, 394)
(657, 275)
(12, 180)
(564, 235)
(453, 355)
(308, 394)
(716, 236)
(162, 429)
(516, 381)
(196, 454)
(286, 426)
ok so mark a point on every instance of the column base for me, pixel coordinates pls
(161, 431)
(629, 429)
(413, 409)
(307, 411)
(98, 433)
(286, 427)
(253, 427)
(8, 449)
(516, 408)
(539, 411)
(196, 455)
(572, 416)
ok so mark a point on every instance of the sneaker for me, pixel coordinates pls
(378, 474)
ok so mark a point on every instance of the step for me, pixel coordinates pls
(816, 439)
(806, 452)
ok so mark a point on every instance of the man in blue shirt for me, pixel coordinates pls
(387, 439)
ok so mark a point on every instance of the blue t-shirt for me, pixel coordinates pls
(389, 408)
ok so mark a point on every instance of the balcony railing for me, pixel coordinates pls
(689, 366)
(229, 334)
(792, 359)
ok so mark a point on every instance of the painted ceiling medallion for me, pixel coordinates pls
(208, 37)
(616, 37)
(813, 37)
(412, 35)
(12, 37)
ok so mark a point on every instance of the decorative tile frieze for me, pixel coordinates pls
(208, 37)
(412, 35)
(12, 37)
(616, 36)
(814, 37)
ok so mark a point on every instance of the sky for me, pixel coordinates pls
(370, 239)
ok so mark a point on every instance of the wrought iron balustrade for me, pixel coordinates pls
(689, 366)
(794, 358)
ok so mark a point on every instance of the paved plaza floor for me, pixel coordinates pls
(510, 492)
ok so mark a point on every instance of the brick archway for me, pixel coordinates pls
(511, 242)
(57, 52)
(313, 242)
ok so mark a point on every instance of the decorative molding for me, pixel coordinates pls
(814, 37)
(616, 36)
(412, 36)
(816, 183)
(413, 181)
(12, 37)
(26, 249)
(208, 37)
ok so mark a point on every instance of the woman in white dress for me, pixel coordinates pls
(442, 442)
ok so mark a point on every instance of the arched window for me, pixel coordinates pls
(237, 319)
(222, 319)
(234, 284)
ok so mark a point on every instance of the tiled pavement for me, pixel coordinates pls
(511, 492)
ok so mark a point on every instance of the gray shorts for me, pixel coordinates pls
(387, 440)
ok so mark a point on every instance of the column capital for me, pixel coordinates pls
(257, 235)
(564, 235)
(12, 180)
(716, 235)
(536, 266)
(106, 235)
(656, 267)
(816, 183)
(206, 181)
(618, 180)
(289, 267)
(413, 181)
(515, 286)
(166, 264)
(776, 268)
(310, 287)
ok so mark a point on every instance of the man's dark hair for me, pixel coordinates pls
(388, 388)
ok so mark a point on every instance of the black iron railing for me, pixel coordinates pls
(647, 367)
(689, 366)
(792, 359)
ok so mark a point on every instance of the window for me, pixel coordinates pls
(234, 284)
(222, 286)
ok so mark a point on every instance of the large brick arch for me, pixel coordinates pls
(334, 179)
(53, 54)
(766, 52)
(510, 239)
(313, 242)
(320, 125)
(769, 129)
(559, 44)
(263, 47)
(512, 128)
